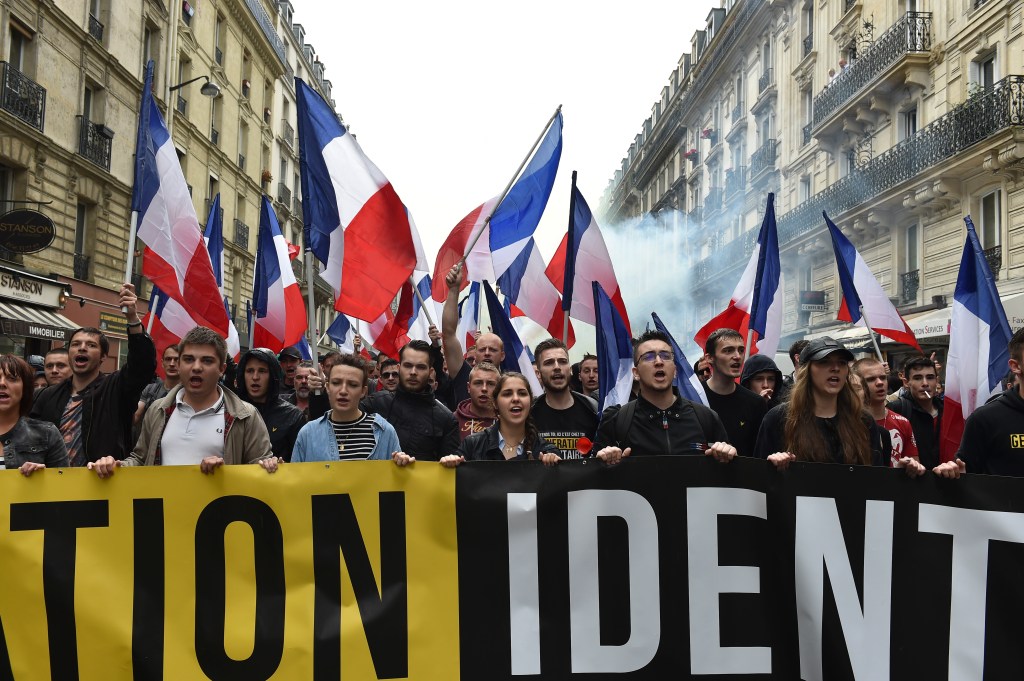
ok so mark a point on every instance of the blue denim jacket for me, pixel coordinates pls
(35, 441)
(316, 441)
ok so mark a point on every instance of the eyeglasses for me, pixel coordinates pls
(663, 355)
(389, 374)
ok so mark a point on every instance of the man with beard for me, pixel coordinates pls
(488, 348)
(426, 428)
(94, 411)
(740, 409)
(258, 382)
(563, 417)
(307, 382)
(476, 413)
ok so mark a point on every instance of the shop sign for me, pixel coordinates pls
(25, 231)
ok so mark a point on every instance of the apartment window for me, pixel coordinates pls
(151, 48)
(908, 123)
(807, 106)
(983, 72)
(911, 249)
(805, 189)
(989, 230)
(19, 50)
(218, 41)
(766, 57)
(81, 227)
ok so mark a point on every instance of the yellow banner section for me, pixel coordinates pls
(238, 574)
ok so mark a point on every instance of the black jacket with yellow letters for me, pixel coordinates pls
(993, 440)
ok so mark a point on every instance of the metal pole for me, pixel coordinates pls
(152, 314)
(511, 182)
(871, 334)
(419, 297)
(750, 342)
(314, 345)
(131, 251)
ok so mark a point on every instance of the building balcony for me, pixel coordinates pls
(891, 60)
(81, 266)
(241, 234)
(994, 258)
(287, 133)
(738, 112)
(763, 159)
(713, 201)
(808, 44)
(766, 80)
(95, 28)
(657, 147)
(206, 212)
(23, 97)
(695, 214)
(284, 194)
(297, 206)
(909, 284)
(806, 139)
(735, 181)
(94, 142)
(181, 105)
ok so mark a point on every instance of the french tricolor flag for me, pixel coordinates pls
(979, 336)
(176, 259)
(469, 316)
(280, 313)
(517, 357)
(863, 296)
(756, 303)
(571, 270)
(358, 227)
(687, 383)
(614, 352)
(526, 285)
(474, 231)
(214, 238)
(342, 331)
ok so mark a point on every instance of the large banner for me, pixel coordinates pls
(659, 568)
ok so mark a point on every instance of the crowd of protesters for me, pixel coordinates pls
(438, 401)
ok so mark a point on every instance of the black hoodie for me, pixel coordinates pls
(993, 440)
(755, 365)
(283, 419)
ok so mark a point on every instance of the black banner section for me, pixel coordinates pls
(680, 567)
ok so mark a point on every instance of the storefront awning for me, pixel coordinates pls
(34, 322)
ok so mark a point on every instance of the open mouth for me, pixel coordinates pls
(195, 381)
(81, 360)
(515, 409)
(660, 374)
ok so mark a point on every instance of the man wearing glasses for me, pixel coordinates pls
(426, 428)
(659, 421)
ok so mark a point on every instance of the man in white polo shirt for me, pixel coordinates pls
(199, 422)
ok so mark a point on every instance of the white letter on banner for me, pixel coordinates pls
(523, 584)
(819, 538)
(972, 530)
(708, 579)
(588, 655)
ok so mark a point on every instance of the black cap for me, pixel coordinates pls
(820, 348)
(36, 362)
(290, 351)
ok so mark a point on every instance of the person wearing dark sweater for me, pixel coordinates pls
(920, 405)
(740, 409)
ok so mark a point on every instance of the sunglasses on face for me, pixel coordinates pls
(389, 374)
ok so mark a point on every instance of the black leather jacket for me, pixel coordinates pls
(284, 420)
(35, 441)
(483, 446)
(426, 428)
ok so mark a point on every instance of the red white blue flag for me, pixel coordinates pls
(278, 309)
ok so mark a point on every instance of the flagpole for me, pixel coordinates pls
(131, 252)
(569, 273)
(511, 182)
(871, 333)
(419, 297)
(152, 313)
(750, 342)
(314, 345)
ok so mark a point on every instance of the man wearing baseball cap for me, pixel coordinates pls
(289, 359)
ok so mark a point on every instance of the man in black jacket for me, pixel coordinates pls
(426, 428)
(920, 405)
(92, 410)
(563, 417)
(258, 381)
(659, 421)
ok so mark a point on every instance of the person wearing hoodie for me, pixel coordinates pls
(762, 377)
(258, 381)
(993, 439)
(476, 413)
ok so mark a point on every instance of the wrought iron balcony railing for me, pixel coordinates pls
(95, 28)
(297, 206)
(737, 112)
(289, 75)
(23, 97)
(241, 234)
(763, 158)
(182, 105)
(735, 180)
(215, 136)
(909, 283)
(981, 116)
(696, 214)
(807, 134)
(765, 81)
(284, 194)
(848, 5)
(994, 257)
(911, 34)
(287, 133)
(94, 142)
(808, 44)
(713, 201)
(82, 266)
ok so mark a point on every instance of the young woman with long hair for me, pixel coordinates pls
(26, 444)
(824, 420)
(513, 436)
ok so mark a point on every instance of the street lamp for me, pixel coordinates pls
(210, 89)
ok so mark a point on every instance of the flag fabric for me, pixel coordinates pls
(572, 269)
(517, 357)
(279, 311)
(343, 332)
(167, 322)
(477, 267)
(614, 352)
(469, 317)
(214, 238)
(419, 320)
(687, 383)
(516, 219)
(979, 336)
(526, 285)
(358, 227)
(863, 295)
(757, 301)
(175, 258)
(383, 334)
